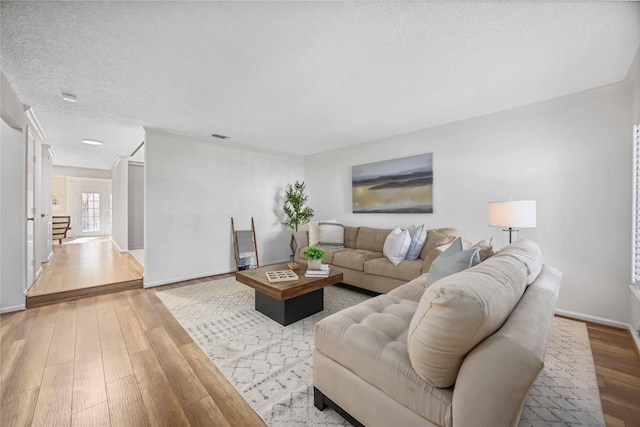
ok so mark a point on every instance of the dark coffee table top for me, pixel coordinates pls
(257, 279)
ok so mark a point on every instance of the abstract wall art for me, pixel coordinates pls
(402, 185)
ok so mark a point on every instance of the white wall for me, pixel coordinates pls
(12, 219)
(571, 154)
(81, 172)
(136, 205)
(120, 188)
(193, 187)
(59, 193)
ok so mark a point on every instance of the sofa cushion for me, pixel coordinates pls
(396, 245)
(458, 312)
(529, 253)
(370, 339)
(453, 260)
(437, 237)
(371, 239)
(418, 239)
(350, 236)
(412, 290)
(354, 258)
(330, 234)
(406, 270)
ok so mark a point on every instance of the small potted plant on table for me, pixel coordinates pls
(314, 255)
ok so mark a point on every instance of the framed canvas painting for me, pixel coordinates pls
(402, 185)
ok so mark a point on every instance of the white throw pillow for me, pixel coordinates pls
(330, 234)
(396, 245)
(313, 233)
(418, 239)
(314, 230)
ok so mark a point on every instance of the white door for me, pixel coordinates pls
(93, 207)
(31, 209)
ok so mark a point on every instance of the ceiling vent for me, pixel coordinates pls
(217, 135)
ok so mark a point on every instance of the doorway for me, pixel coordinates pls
(86, 261)
(93, 210)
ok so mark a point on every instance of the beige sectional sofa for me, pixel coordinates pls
(462, 352)
(363, 264)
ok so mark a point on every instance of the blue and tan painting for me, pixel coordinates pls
(394, 186)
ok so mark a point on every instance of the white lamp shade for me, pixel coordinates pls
(514, 214)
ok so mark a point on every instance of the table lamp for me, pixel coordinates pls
(512, 215)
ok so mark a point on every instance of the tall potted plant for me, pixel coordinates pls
(294, 207)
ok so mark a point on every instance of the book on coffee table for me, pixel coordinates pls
(323, 272)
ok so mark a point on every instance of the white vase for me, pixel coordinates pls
(314, 264)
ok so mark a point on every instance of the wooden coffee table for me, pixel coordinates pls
(290, 301)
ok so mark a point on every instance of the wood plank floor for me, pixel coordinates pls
(82, 267)
(617, 365)
(122, 360)
(119, 359)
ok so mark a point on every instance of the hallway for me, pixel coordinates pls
(84, 266)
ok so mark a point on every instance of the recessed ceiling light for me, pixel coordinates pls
(69, 98)
(91, 142)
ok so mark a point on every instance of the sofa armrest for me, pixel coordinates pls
(495, 377)
(493, 383)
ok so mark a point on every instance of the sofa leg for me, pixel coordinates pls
(321, 402)
(318, 399)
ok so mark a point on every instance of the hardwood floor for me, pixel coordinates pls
(83, 267)
(617, 365)
(119, 359)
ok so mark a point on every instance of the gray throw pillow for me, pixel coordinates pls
(453, 260)
(418, 239)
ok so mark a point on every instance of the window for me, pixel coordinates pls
(635, 263)
(90, 212)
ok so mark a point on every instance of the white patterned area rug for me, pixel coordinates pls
(271, 364)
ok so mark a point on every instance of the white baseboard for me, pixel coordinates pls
(183, 278)
(594, 319)
(14, 308)
(117, 247)
(198, 276)
(602, 321)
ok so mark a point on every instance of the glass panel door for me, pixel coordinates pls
(90, 212)
(94, 213)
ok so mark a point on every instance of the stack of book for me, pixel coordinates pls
(323, 272)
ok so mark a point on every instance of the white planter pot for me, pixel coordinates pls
(314, 264)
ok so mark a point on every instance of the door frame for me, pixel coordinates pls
(30, 209)
(105, 214)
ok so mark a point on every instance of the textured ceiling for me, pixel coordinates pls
(297, 77)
